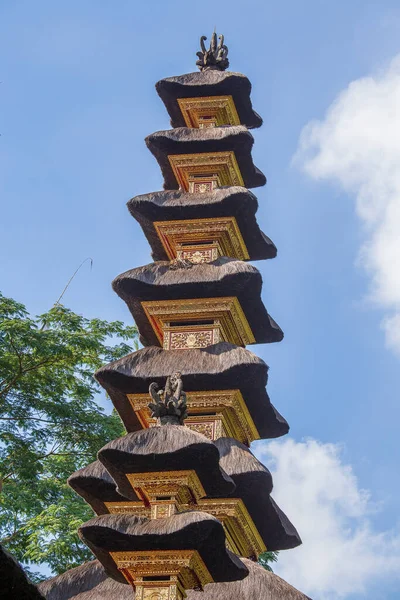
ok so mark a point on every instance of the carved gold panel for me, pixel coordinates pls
(209, 320)
(153, 590)
(203, 184)
(209, 111)
(221, 233)
(221, 167)
(214, 413)
(212, 427)
(162, 509)
(191, 336)
(197, 254)
(157, 592)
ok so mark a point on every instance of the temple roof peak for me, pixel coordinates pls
(216, 57)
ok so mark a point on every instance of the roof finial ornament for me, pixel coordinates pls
(169, 405)
(216, 57)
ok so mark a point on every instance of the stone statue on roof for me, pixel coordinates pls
(169, 405)
(216, 57)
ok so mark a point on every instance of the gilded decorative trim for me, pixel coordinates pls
(179, 486)
(224, 232)
(229, 321)
(222, 165)
(137, 508)
(242, 535)
(185, 568)
(209, 111)
(231, 416)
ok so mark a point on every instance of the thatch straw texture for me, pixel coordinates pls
(208, 83)
(90, 582)
(96, 486)
(233, 201)
(258, 585)
(185, 531)
(219, 367)
(216, 139)
(14, 584)
(167, 448)
(221, 278)
(254, 485)
(86, 582)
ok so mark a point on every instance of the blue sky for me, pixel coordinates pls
(78, 98)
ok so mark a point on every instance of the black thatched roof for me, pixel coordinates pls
(219, 367)
(185, 531)
(14, 584)
(167, 448)
(90, 582)
(232, 201)
(208, 83)
(221, 278)
(214, 139)
(96, 486)
(254, 485)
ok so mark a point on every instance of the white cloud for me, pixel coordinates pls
(342, 554)
(357, 145)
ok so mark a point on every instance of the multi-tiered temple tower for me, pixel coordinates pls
(181, 501)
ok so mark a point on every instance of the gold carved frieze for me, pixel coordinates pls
(214, 413)
(193, 238)
(176, 486)
(209, 111)
(137, 508)
(180, 570)
(242, 535)
(198, 322)
(205, 167)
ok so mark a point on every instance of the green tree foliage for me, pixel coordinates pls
(266, 558)
(50, 426)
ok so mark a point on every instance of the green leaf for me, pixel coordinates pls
(266, 558)
(51, 425)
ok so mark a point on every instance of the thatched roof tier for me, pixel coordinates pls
(86, 582)
(236, 139)
(208, 83)
(254, 485)
(96, 486)
(167, 448)
(225, 277)
(90, 582)
(254, 481)
(185, 531)
(219, 367)
(260, 584)
(14, 582)
(233, 201)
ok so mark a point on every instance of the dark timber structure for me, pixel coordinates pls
(183, 506)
